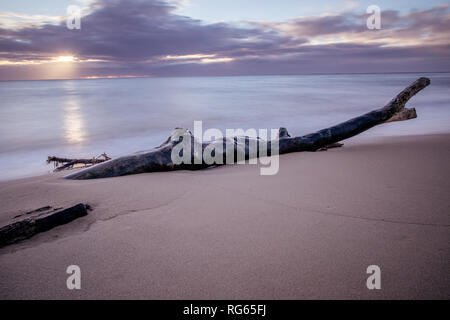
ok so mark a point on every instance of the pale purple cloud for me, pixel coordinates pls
(125, 37)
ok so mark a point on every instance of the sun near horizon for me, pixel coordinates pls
(65, 59)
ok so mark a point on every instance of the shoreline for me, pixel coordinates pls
(361, 139)
(228, 233)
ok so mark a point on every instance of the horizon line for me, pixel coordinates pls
(217, 76)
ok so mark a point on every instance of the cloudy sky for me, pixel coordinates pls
(132, 38)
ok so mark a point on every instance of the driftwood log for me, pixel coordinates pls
(159, 158)
(26, 225)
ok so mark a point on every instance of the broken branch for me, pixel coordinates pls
(66, 163)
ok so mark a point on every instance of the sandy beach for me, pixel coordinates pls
(308, 232)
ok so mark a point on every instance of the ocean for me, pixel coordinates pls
(84, 118)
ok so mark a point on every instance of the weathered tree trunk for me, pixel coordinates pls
(40, 220)
(159, 159)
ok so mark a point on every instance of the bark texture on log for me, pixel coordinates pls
(39, 220)
(159, 159)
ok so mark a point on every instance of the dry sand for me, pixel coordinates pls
(228, 233)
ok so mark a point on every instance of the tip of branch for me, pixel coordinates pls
(425, 81)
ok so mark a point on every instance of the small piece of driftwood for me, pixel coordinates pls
(331, 146)
(66, 163)
(39, 220)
